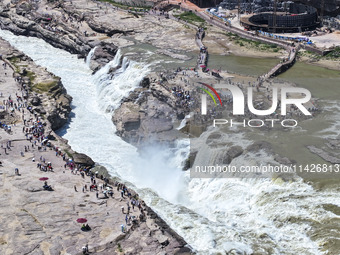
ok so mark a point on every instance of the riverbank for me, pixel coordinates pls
(30, 210)
(156, 97)
(79, 26)
(325, 63)
(236, 221)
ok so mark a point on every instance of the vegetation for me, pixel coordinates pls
(69, 154)
(125, 6)
(243, 42)
(190, 17)
(308, 54)
(333, 55)
(30, 75)
(37, 87)
(14, 60)
(119, 247)
(44, 86)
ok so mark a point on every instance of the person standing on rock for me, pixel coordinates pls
(75, 188)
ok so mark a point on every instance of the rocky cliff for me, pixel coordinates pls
(26, 19)
(148, 113)
(46, 94)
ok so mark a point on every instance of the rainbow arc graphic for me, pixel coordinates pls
(204, 97)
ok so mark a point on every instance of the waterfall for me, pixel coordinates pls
(183, 122)
(89, 56)
(112, 87)
(213, 215)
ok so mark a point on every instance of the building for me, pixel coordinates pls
(263, 15)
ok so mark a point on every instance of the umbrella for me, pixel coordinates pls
(43, 179)
(81, 220)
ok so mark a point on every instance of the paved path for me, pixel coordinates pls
(284, 65)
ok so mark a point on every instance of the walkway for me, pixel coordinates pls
(292, 51)
(202, 59)
(203, 56)
(281, 67)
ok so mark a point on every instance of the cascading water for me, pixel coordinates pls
(89, 56)
(125, 78)
(213, 215)
(183, 122)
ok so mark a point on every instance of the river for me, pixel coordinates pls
(213, 215)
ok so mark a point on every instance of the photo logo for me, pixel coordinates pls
(204, 97)
(289, 96)
(239, 99)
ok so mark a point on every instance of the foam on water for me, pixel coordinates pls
(111, 89)
(258, 208)
(183, 122)
(213, 215)
(89, 56)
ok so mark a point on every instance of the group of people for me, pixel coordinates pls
(132, 202)
(183, 96)
(200, 33)
(45, 167)
(35, 133)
